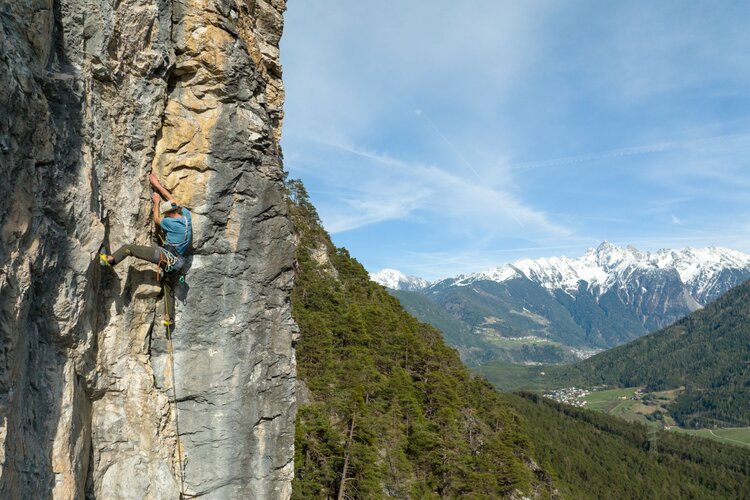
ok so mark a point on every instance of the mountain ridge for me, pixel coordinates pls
(396, 280)
(548, 310)
(601, 267)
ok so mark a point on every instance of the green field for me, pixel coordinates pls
(513, 377)
(645, 410)
(739, 436)
(611, 401)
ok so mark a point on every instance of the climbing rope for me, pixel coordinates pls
(170, 351)
(169, 325)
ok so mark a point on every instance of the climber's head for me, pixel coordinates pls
(169, 209)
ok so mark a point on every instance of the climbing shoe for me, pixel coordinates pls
(103, 254)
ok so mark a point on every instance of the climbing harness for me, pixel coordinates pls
(170, 262)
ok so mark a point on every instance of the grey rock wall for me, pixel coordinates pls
(94, 95)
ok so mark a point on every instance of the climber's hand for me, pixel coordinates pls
(154, 180)
(160, 189)
(156, 198)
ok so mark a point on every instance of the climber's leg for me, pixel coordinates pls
(169, 300)
(150, 254)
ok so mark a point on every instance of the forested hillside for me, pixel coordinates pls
(389, 410)
(472, 348)
(707, 353)
(593, 455)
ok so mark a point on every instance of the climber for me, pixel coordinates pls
(176, 223)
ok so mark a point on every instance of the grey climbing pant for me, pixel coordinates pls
(150, 254)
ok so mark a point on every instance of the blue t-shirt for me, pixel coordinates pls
(178, 230)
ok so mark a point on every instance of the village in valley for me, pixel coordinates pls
(576, 396)
(569, 395)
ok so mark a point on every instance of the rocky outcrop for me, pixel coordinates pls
(95, 95)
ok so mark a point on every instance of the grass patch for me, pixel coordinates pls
(610, 401)
(513, 377)
(620, 403)
(738, 436)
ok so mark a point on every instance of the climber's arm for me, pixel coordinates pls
(156, 199)
(161, 189)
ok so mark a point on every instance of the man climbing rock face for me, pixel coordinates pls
(176, 223)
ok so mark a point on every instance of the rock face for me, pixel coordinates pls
(95, 95)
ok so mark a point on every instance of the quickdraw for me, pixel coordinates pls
(168, 259)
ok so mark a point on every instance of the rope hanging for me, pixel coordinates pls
(170, 350)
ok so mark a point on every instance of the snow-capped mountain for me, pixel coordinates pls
(607, 297)
(396, 280)
(704, 271)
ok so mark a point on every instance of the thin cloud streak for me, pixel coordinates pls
(460, 156)
(363, 212)
(450, 193)
(632, 151)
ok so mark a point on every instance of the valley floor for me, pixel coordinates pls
(635, 405)
(631, 404)
(738, 436)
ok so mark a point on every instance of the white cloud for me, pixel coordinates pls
(371, 209)
(388, 188)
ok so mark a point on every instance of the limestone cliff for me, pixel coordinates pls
(94, 95)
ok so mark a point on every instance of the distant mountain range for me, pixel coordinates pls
(706, 356)
(559, 309)
(396, 280)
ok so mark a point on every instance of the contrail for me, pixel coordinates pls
(450, 145)
(482, 182)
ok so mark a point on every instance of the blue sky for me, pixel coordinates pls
(442, 137)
